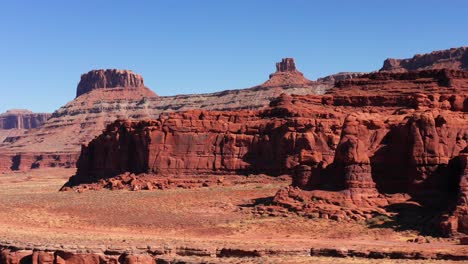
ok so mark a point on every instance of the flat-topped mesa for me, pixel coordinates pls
(286, 75)
(108, 78)
(22, 119)
(455, 58)
(436, 88)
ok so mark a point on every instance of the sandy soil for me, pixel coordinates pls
(34, 211)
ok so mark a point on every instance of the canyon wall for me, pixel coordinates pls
(22, 119)
(455, 58)
(381, 133)
(15, 123)
(106, 95)
(31, 160)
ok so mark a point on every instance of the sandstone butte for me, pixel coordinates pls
(106, 95)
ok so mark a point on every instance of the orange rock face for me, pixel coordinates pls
(105, 79)
(371, 142)
(106, 95)
(22, 119)
(456, 58)
(14, 123)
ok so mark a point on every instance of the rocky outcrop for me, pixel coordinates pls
(82, 119)
(31, 160)
(287, 75)
(445, 89)
(455, 58)
(22, 119)
(393, 144)
(351, 156)
(204, 142)
(110, 78)
(56, 141)
(456, 219)
(107, 95)
(461, 211)
(341, 76)
(100, 254)
(286, 65)
(219, 142)
(15, 123)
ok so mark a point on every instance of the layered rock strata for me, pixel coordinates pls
(287, 75)
(31, 160)
(455, 58)
(13, 253)
(14, 123)
(444, 88)
(341, 76)
(108, 79)
(106, 95)
(22, 119)
(365, 154)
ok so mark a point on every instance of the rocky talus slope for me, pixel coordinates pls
(365, 146)
(106, 95)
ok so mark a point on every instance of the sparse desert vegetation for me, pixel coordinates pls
(36, 213)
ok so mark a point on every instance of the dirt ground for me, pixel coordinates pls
(34, 211)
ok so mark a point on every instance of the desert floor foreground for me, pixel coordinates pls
(34, 212)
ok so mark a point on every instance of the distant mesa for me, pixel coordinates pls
(22, 119)
(340, 77)
(17, 111)
(454, 58)
(286, 75)
(108, 78)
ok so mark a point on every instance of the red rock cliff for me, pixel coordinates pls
(287, 75)
(455, 58)
(80, 120)
(110, 78)
(402, 141)
(22, 119)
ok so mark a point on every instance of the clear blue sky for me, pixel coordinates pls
(197, 46)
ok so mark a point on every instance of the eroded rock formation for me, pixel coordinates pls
(36, 160)
(106, 95)
(22, 119)
(455, 58)
(370, 143)
(15, 123)
(341, 76)
(202, 253)
(287, 75)
(110, 78)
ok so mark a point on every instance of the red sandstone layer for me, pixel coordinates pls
(396, 137)
(455, 58)
(107, 95)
